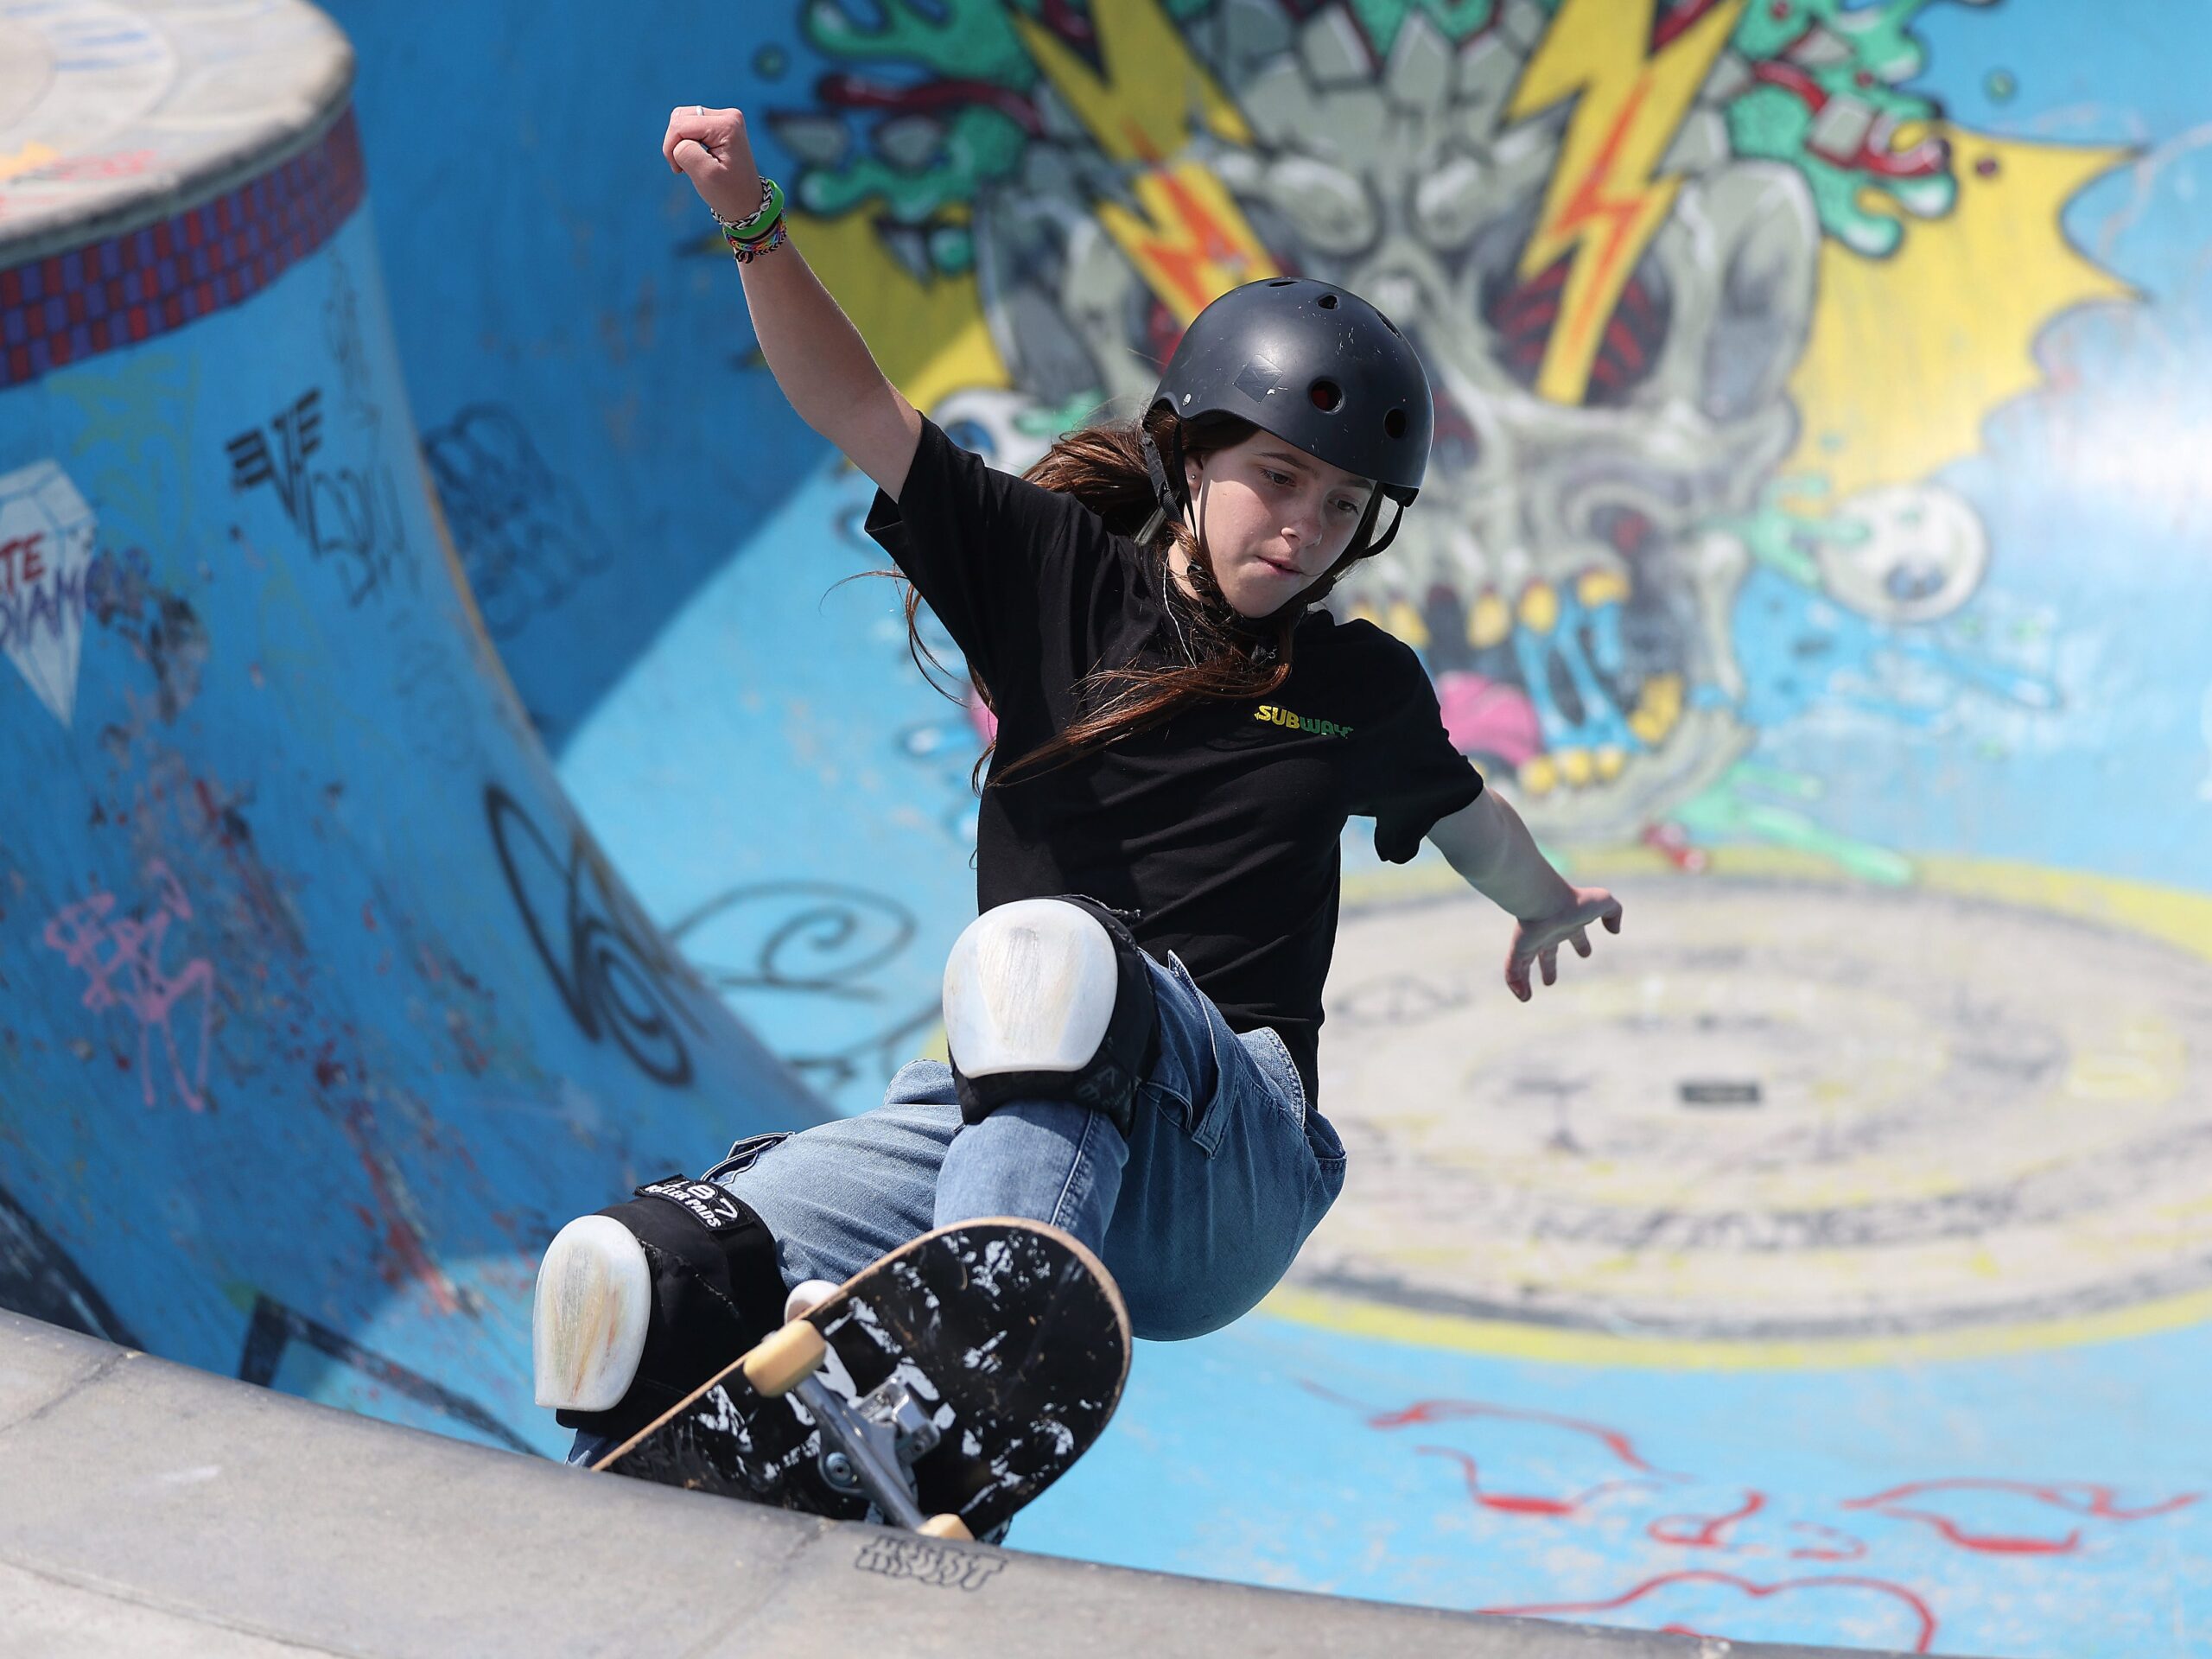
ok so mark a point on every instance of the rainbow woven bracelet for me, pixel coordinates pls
(745, 251)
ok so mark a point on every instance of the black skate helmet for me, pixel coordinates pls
(1318, 367)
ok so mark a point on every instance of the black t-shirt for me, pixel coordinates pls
(1221, 826)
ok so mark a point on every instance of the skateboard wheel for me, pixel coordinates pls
(784, 1359)
(946, 1525)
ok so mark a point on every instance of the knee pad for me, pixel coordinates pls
(1050, 999)
(712, 1290)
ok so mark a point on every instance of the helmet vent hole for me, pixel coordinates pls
(1328, 302)
(1394, 423)
(1282, 281)
(1326, 395)
(1391, 325)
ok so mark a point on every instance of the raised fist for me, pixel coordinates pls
(709, 148)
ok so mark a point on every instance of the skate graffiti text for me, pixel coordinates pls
(350, 515)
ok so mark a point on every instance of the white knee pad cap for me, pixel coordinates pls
(1029, 987)
(588, 1319)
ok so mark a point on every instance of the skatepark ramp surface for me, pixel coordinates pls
(155, 1509)
(449, 782)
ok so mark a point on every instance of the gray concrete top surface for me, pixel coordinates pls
(151, 1508)
(111, 117)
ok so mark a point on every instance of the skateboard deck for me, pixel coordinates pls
(977, 1361)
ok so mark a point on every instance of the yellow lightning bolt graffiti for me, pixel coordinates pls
(1603, 204)
(1191, 242)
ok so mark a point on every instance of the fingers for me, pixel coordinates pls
(1530, 943)
(688, 123)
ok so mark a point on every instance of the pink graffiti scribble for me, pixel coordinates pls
(2074, 1497)
(121, 960)
(1923, 1615)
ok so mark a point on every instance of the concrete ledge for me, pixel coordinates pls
(155, 1509)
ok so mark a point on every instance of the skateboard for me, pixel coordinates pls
(940, 1389)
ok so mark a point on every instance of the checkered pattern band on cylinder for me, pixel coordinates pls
(65, 307)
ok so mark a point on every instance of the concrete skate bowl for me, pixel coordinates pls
(1808, 551)
(323, 1006)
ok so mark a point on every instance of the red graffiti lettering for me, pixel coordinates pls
(26, 549)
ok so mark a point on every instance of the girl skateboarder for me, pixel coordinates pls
(1183, 732)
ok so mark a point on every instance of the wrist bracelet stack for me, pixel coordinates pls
(760, 233)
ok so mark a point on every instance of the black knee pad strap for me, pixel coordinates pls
(716, 1291)
(1126, 1054)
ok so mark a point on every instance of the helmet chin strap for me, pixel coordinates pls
(1396, 518)
(1162, 491)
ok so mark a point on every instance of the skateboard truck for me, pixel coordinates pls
(877, 1436)
(887, 1420)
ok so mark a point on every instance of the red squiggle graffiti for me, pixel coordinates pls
(2076, 1498)
(1443, 1411)
(1921, 1611)
(1523, 1503)
(1706, 1530)
(1857, 1550)
(121, 961)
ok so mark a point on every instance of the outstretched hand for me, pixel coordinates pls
(1537, 938)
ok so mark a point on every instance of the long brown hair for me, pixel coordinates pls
(1103, 466)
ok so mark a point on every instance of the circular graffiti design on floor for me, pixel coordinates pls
(1771, 1111)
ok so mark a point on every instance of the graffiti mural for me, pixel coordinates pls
(1666, 264)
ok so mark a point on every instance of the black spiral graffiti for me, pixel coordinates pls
(611, 967)
(818, 938)
(823, 945)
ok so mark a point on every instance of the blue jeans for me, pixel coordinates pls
(1196, 1214)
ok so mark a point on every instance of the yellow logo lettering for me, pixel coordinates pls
(1269, 713)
